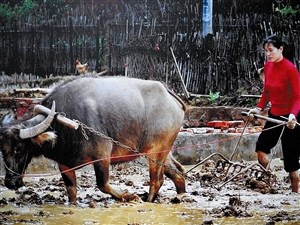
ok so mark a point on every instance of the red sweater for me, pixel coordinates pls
(281, 88)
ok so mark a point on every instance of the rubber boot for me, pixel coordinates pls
(262, 158)
(294, 176)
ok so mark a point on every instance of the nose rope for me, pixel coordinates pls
(16, 173)
(24, 167)
(10, 170)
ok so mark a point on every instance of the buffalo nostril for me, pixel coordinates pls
(20, 183)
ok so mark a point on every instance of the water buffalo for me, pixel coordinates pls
(127, 115)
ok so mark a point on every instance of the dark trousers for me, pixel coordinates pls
(289, 141)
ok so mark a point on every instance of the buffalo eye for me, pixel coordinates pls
(18, 147)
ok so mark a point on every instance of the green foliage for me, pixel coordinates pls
(213, 96)
(6, 12)
(288, 11)
(26, 8)
(31, 9)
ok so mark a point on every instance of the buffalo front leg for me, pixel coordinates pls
(69, 178)
(102, 179)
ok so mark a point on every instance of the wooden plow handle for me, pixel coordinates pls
(265, 118)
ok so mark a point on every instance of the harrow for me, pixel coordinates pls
(237, 170)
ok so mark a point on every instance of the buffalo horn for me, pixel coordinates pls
(39, 128)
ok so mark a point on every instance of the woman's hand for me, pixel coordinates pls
(256, 110)
(291, 124)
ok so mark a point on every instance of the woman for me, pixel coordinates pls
(282, 90)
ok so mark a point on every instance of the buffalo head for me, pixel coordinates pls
(17, 143)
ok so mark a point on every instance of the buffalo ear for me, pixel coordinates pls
(49, 137)
(8, 118)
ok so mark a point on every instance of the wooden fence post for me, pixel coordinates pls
(179, 73)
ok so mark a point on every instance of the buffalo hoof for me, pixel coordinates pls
(127, 197)
(74, 203)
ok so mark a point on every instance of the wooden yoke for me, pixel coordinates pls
(39, 109)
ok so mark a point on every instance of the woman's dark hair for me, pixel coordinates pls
(277, 42)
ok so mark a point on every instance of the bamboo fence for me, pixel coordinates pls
(134, 38)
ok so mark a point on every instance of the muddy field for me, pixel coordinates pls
(252, 198)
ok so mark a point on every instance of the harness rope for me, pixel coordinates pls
(274, 150)
(135, 151)
(23, 170)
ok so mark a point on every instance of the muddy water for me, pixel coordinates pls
(122, 213)
(134, 214)
(44, 201)
(130, 214)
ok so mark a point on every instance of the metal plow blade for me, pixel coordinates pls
(225, 171)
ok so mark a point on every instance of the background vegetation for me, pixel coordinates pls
(43, 37)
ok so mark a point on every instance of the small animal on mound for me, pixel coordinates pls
(81, 68)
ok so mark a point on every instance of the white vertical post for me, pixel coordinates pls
(127, 38)
(207, 17)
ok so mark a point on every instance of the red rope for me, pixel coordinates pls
(140, 154)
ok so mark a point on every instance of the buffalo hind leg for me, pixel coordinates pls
(69, 179)
(174, 170)
(171, 168)
(102, 179)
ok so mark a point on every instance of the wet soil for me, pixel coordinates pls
(252, 198)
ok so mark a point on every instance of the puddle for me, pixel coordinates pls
(44, 201)
(145, 213)
(131, 214)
